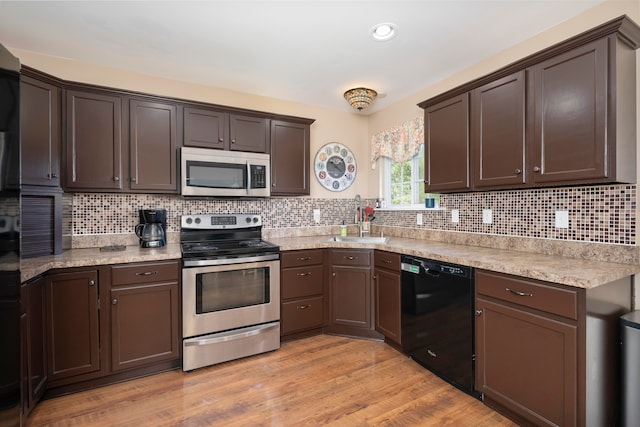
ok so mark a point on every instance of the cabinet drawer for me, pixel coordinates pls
(145, 272)
(301, 314)
(388, 260)
(350, 257)
(528, 293)
(302, 281)
(304, 257)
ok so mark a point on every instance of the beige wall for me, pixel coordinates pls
(349, 129)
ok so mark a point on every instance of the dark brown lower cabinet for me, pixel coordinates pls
(144, 324)
(351, 294)
(73, 324)
(547, 354)
(387, 295)
(34, 355)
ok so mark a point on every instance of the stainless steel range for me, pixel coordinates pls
(230, 289)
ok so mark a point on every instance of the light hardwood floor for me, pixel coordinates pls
(322, 380)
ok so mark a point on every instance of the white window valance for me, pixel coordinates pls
(399, 143)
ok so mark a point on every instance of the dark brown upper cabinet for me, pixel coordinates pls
(249, 133)
(153, 142)
(206, 128)
(575, 102)
(94, 142)
(497, 132)
(446, 155)
(40, 132)
(563, 116)
(290, 158)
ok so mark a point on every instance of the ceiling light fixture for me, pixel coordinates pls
(360, 97)
(383, 32)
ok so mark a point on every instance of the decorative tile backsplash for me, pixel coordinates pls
(603, 214)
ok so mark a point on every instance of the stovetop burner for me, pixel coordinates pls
(221, 236)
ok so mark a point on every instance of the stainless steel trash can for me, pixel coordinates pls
(630, 339)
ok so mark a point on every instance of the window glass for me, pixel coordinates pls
(403, 183)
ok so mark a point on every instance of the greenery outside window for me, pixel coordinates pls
(403, 183)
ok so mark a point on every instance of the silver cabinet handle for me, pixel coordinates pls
(304, 307)
(518, 171)
(478, 312)
(519, 293)
(92, 282)
(351, 258)
(116, 178)
(147, 273)
(387, 261)
(220, 139)
(134, 180)
(114, 301)
(303, 258)
(304, 274)
(431, 353)
(536, 169)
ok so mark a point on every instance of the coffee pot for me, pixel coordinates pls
(152, 228)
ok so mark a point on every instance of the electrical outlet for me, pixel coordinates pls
(487, 216)
(455, 215)
(562, 219)
(316, 215)
(419, 219)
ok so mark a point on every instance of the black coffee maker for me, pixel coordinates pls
(152, 229)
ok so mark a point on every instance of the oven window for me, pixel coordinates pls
(216, 175)
(231, 289)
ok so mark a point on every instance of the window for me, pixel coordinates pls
(403, 183)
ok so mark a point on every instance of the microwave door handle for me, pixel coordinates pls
(249, 183)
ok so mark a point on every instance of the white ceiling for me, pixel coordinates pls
(308, 51)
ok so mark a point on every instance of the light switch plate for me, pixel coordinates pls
(316, 215)
(419, 219)
(455, 215)
(487, 216)
(562, 219)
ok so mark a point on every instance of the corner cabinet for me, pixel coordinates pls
(563, 116)
(547, 354)
(290, 158)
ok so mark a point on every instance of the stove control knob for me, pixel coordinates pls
(248, 219)
(255, 219)
(198, 220)
(189, 220)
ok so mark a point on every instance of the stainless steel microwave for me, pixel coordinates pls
(207, 172)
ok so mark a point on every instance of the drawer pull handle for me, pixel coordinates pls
(387, 261)
(304, 307)
(431, 353)
(304, 274)
(351, 258)
(303, 258)
(146, 273)
(519, 293)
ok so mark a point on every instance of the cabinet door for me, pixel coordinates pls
(446, 156)
(388, 311)
(351, 296)
(153, 146)
(249, 133)
(206, 128)
(290, 164)
(94, 141)
(36, 341)
(570, 138)
(144, 325)
(527, 363)
(73, 328)
(497, 132)
(40, 132)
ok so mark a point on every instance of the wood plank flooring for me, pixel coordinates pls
(322, 380)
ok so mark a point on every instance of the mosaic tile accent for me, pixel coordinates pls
(597, 214)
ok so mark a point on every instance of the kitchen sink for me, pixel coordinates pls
(356, 239)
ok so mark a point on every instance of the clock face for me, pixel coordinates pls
(335, 166)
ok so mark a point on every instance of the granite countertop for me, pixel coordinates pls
(575, 272)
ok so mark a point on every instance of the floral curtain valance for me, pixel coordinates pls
(400, 143)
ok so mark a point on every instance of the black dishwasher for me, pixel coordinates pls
(437, 319)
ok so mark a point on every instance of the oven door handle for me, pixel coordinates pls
(230, 336)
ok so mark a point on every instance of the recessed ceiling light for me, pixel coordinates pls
(383, 32)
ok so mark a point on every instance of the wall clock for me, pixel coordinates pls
(335, 166)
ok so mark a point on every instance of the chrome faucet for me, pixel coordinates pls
(358, 213)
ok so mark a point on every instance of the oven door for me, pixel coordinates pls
(223, 297)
